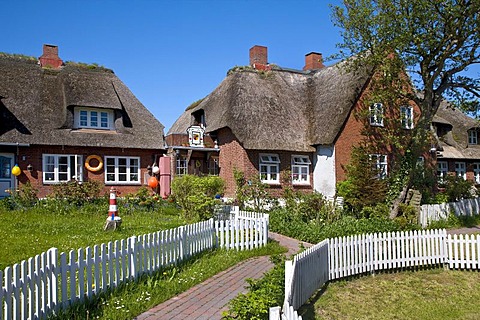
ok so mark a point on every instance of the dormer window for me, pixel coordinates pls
(406, 116)
(93, 118)
(472, 137)
(199, 118)
(376, 115)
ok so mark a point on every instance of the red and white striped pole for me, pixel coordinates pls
(113, 210)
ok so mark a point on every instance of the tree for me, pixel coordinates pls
(435, 40)
(432, 41)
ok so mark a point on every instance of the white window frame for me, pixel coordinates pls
(476, 172)
(213, 167)
(380, 161)
(472, 137)
(461, 170)
(181, 165)
(300, 170)
(442, 170)
(406, 115)
(376, 114)
(90, 120)
(129, 180)
(269, 168)
(61, 168)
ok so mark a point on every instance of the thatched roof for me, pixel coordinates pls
(455, 141)
(37, 107)
(280, 109)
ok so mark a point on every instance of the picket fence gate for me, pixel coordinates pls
(362, 254)
(436, 212)
(51, 281)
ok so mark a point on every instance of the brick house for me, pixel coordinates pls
(457, 147)
(294, 127)
(69, 121)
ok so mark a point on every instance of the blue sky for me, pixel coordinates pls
(169, 53)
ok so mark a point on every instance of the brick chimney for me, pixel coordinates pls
(258, 58)
(313, 61)
(50, 58)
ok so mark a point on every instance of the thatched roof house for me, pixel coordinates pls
(274, 111)
(38, 105)
(281, 109)
(457, 134)
(55, 113)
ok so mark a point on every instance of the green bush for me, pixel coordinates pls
(287, 223)
(24, 197)
(456, 188)
(143, 199)
(263, 294)
(76, 193)
(251, 192)
(196, 195)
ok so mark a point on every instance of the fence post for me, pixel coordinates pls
(133, 257)
(53, 266)
(274, 313)
(288, 280)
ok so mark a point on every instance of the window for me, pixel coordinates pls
(406, 115)
(460, 170)
(476, 172)
(442, 170)
(181, 166)
(59, 168)
(300, 170)
(213, 166)
(376, 114)
(380, 164)
(472, 137)
(94, 118)
(122, 170)
(269, 168)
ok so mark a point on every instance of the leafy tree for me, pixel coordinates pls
(432, 41)
(435, 41)
(197, 195)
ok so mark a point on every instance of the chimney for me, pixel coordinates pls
(313, 61)
(258, 58)
(50, 58)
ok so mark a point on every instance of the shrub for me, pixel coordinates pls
(143, 199)
(456, 188)
(263, 293)
(76, 193)
(24, 197)
(196, 195)
(251, 192)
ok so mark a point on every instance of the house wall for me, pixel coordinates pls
(33, 155)
(357, 129)
(324, 178)
(234, 156)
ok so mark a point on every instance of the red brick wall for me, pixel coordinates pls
(33, 155)
(352, 133)
(234, 156)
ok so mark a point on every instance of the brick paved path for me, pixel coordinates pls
(207, 300)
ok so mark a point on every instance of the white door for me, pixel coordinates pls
(7, 179)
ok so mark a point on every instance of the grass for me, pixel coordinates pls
(424, 294)
(134, 298)
(26, 233)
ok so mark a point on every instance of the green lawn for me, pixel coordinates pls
(25, 233)
(425, 294)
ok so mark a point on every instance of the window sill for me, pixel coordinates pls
(271, 183)
(123, 183)
(376, 125)
(301, 184)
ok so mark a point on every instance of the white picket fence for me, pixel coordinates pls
(347, 256)
(435, 212)
(50, 281)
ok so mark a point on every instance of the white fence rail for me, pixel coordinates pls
(435, 212)
(35, 288)
(348, 256)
